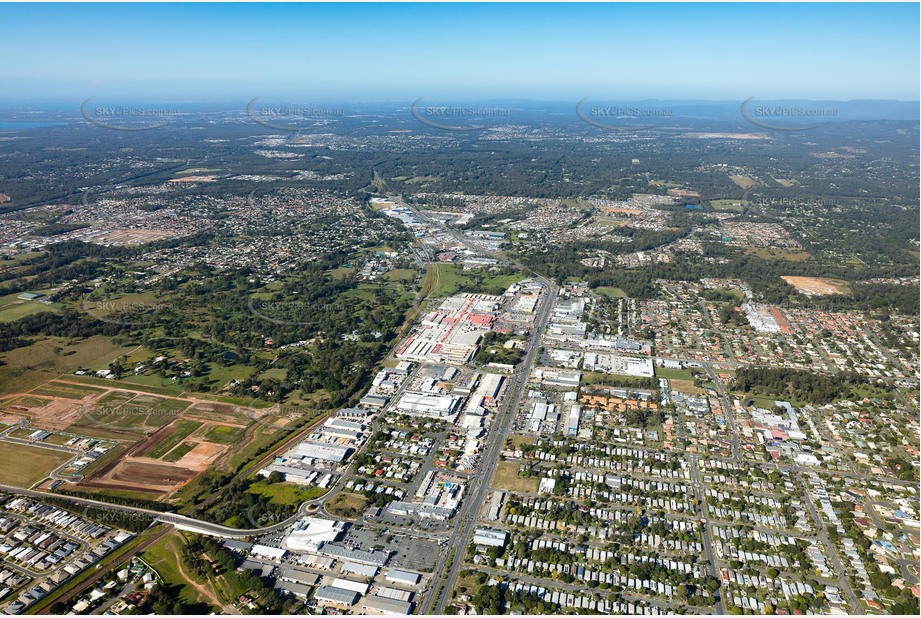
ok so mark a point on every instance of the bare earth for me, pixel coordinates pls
(816, 286)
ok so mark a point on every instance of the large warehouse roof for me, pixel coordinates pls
(331, 594)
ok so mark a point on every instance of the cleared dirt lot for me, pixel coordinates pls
(49, 413)
(141, 475)
(137, 470)
(816, 286)
(201, 456)
(148, 427)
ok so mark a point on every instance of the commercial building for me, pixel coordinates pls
(432, 406)
(309, 533)
(452, 333)
(364, 570)
(572, 424)
(264, 551)
(333, 453)
(336, 596)
(374, 401)
(400, 576)
(425, 511)
(489, 537)
(298, 590)
(348, 584)
(362, 556)
(388, 606)
(298, 576)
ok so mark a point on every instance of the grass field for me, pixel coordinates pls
(218, 374)
(286, 493)
(507, 478)
(674, 374)
(67, 391)
(25, 401)
(685, 386)
(448, 279)
(611, 292)
(761, 401)
(347, 505)
(401, 274)
(263, 437)
(341, 273)
(12, 308)
(164, 386)
(744, 182)
(129, 412)
(497, 284)
(275, 373)
(164, 557)
(180, 433)
(766, 253)
(365, 292)
(196, 170)
(179, 452)
(224, 434)
(727, 205)
(26, 368)
(59, 438)
(23, 466)
(135, 383)
(469, 584)
(519, 441)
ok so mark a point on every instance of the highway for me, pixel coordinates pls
(204, 527)
(465, 520)
(468, 513)
(179, 521)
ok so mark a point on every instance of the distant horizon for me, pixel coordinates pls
(620, 51)
(291, 98)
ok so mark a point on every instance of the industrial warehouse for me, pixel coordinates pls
(452, 333)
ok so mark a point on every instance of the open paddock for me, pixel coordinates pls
(507, 478)
(770, 253)
(23, 466)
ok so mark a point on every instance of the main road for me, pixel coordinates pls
(179, 521)
(467, 515)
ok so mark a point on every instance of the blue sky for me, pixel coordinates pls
(378, 52)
